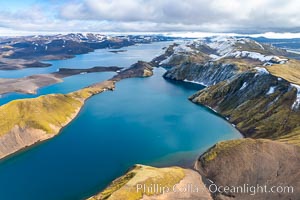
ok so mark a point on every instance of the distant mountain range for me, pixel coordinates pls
(29, 51)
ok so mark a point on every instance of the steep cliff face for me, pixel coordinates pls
(213, 60)
(257, 165)
(258, 103)
(206, 74)
(251, 84)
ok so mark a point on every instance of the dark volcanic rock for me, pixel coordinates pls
(168, 52)
(64, 72)
(209, 73)
(139, 69)
(40, 50)
(37, 64)
(260, 105)
(253, 162)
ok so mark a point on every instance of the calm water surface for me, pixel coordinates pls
(145, 120)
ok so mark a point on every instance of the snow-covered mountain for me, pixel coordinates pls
(222, 48)
(251, 84)
(29, 50)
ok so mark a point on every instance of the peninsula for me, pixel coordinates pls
(30, 84)
(28, 121)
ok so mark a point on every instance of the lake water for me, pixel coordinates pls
(145, 120)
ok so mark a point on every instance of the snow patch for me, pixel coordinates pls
(223, 45)
(182, 49)
(261, 46)
(253, 55)
(267, 64)
(165, 61)
(261, 71)
(278, 60)
(214, 57)
(196, 82)
(212, 109)
(273, 102)
(271, 90)
(244, 85)
(296, 103)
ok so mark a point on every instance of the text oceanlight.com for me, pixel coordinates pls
(213, 188)
(250, 189)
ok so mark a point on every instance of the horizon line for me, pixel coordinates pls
(182, 34)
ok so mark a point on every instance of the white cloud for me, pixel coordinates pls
(255, 16)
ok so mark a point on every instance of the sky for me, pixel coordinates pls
(168, 16)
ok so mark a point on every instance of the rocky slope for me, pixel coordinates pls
(139, 69)
(146, 183)
(252, 85)
(258, 169)
(255, 163)
(209, 61)
(260, 104)
(27, 121)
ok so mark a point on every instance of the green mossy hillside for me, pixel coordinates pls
(289, 71)
(49, 112)
(46, 113)
(125, 187)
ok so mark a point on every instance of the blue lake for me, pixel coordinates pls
(145, 120)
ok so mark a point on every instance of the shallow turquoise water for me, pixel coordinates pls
(70, 84)
(145, 120)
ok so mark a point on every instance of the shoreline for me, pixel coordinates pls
(43, 136)
(25, 148)
(35, 54)
(75, 115)
(139, 69)
(220, 115)
(30, 84)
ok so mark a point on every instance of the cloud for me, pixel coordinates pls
(255, 16)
